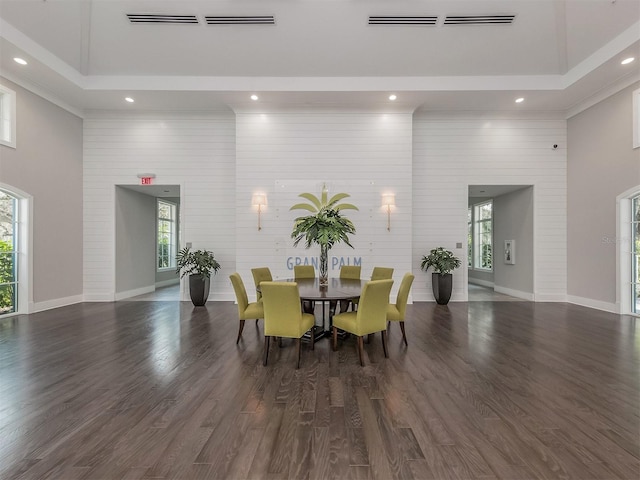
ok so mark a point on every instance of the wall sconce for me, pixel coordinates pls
(388, 200)
(259, 200)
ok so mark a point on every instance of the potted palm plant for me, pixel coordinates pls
(325, 227)
(198, 264)
(443, 262)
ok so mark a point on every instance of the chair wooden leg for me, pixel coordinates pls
(266, 350)
(360, 349)
(370, 338)
(335, 339)
(280, 342)
(404, 336)
(240, 331)
(257, 320)
(313, 338)
(298, 352)
(388, 325)
(384, 343)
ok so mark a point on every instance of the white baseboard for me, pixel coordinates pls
(597, 304)
(99, 297)
(482, 283)
(135, 292)
(550, 297)
(55, 303)
(515, 293)
(167, 283)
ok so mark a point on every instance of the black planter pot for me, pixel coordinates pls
(199, 289)
(442, 286)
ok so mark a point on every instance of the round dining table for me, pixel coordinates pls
(335, 290)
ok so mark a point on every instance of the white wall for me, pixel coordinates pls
(452, 151)
(513, 220)
(285, 154)
(136, 215)
(47, 165)
(196, 152)
(602, 165)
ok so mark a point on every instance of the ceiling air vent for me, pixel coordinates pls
(161, 18)
(479, 19)
(403, 20)
(241, 20)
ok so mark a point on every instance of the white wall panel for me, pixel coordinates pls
(285, 154)
(196, 152)
(451, 152)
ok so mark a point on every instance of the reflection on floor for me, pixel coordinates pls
(164, 294)
(478, 293)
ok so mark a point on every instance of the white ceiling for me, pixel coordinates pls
(561, 55)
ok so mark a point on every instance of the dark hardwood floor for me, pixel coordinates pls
(145, 390)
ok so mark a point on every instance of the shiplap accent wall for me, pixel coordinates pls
(453, 151)
(196, 152)
(285, 154)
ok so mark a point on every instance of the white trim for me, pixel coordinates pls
(589, 302)
(515, 293)
(636, 118)
(9, 96)
(482, 283)
(550, 297)
(135, 292)
(100, 297)
(167, 283)
(623, 231)
(55, 303)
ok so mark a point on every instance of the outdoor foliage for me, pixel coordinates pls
(7, 297)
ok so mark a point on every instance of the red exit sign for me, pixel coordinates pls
(146, 180)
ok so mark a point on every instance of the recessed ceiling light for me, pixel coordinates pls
(520, 100)
(626, 61)
(254, 97)
(19, 60)
(392, 97)
(129, 99)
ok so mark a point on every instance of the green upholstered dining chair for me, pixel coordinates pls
(350, 272)
(371, 316)
(261, 274)
(303, 271)
(381, 273)
(395, 313)
(283, 316)
(246, 310)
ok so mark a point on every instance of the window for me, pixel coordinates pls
(8, 253)
(167, 234)
(636, 118)
(7, 117)
(470, 238)
(635, 255)
(482, 236)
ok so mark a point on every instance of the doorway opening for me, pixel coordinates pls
(147, 240)
(500, 243)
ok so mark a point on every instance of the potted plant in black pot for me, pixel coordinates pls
(443, 262)
(198, 264)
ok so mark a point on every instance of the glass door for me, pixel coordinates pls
(635, 255)
(8, 253)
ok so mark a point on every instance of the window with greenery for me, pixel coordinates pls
(167, 235)
(635, 255)
(8, 253)
(7, 117)
(482, 236)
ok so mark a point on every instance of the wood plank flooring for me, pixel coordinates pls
(160, 390)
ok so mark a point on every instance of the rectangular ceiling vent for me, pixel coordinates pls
(479, 19)
(241, 20)
(403, 20)
(161, 18)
